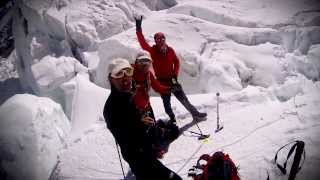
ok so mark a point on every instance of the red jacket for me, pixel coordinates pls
(143, 82)
(165, 66)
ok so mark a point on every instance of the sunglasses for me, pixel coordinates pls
(143, 61)
(160, 38)
(127, 71)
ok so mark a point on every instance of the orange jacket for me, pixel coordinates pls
(166, 66)
(143, 83)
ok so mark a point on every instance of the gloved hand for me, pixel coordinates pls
(138, 23)
(172, 132)
(148, 121)
(175, 85)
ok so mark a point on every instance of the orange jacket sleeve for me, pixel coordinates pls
(142, 41)
(157, 86)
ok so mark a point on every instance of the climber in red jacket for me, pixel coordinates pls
(144, 79)
(166, 67)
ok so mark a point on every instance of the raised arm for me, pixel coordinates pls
(142, 41)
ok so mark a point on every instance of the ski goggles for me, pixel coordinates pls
(123, 72)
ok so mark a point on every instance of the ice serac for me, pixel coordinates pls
(35, 38)
(87, 106)
(314, 57)
(54, 78)
(65, 28)
(160, 4)
(50, 72)
(32, 132)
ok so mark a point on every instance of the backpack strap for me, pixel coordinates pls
(146, 83)
(295, 168)
(283, 168)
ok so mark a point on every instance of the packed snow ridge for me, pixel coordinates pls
(262, 56)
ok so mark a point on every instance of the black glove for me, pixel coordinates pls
(138, 23)
(172, 132)
(175, 85)
(174, 80)
(167, 131)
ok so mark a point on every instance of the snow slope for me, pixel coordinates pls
(262, 56)
(255, 123)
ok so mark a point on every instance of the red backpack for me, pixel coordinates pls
(219, 166)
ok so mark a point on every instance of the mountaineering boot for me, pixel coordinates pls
(172, 121)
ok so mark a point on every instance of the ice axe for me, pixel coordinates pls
(200, 135)
(218, 118)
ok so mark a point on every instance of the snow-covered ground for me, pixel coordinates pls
(255, 123)
(263, 57)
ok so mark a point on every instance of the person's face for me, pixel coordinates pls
(143, 65)
(160, 41)
(122, 81)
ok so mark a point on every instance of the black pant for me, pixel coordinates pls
(181, 96)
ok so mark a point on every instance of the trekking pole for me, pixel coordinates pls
(199, 128)
(218, 117)
(196, 133)
(124, 177)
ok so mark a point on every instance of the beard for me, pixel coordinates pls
(163, 49)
